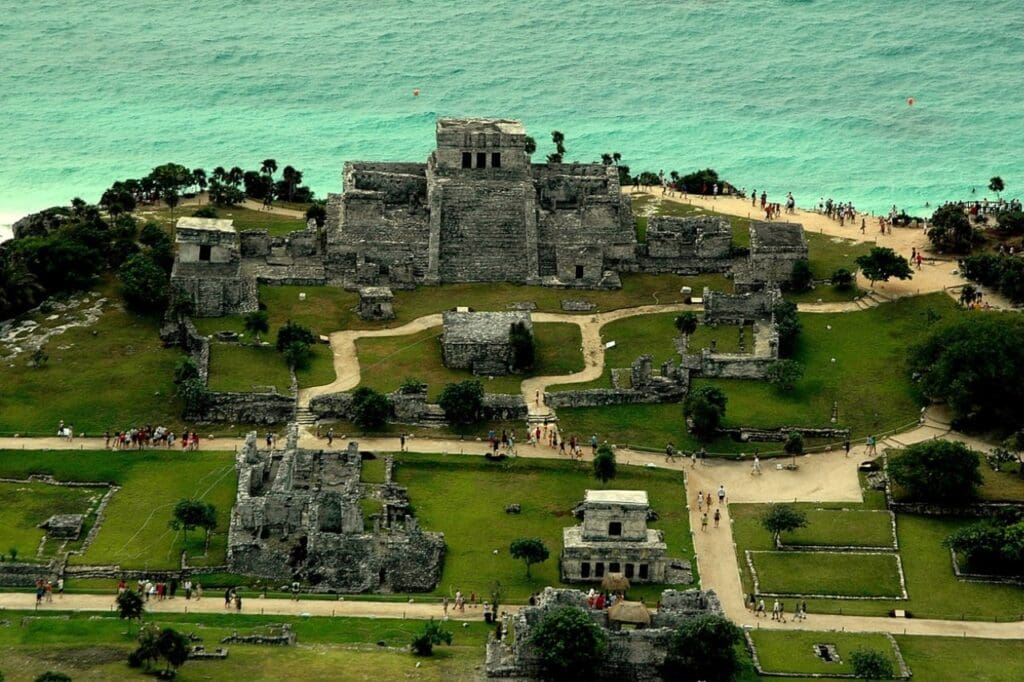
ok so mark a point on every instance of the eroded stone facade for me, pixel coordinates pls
(208, 268)
(481, 341)
(299, 515)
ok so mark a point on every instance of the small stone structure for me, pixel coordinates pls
(686, 246)
(481, 342)
(747, 308)
(208, 267)
(376, 303)
(632, 654)
(299, 516)
(774, 249)
(63, 526)
(614, 538)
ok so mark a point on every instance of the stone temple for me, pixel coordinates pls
(208, 267)
(299, 516)
(481, 341)
(614, 538)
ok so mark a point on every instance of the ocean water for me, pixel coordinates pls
(784, 95)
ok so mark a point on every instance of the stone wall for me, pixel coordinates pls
(734, 365)
(723, 308)
(685, 246)
(398, 183)
(246, 408)
(603, 397)
(183, 334)
(411, 407)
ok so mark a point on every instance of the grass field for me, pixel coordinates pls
(95, 648)
(952, 659)
(244, 218)
(134, 533)
(465, 498)
(848, 575)
(23, 506)
(933, 590)
(644, 204)
(235, 367)
(793, 652)
(385, 362)
(850, 528)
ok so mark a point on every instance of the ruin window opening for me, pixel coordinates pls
(579, 272)
(629, 570)
(495, 159)
(205, 251)
(467, 160)
(614, 567)
(481, 159)
(599, 569)
(615, 528)
(585, 569)
(643, 572)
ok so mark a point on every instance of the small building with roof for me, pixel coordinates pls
(481, 341)
(208, 268)
(614, 538)
(774, 250)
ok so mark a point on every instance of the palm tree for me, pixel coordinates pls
(257, 322)
(219, 174)
(199, 178)
(268, 168)
(616, 157)
(292, 178)
(234, 176)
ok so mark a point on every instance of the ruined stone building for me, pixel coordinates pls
(686, 245)
(208, 267)
(634, 653)
(481, 341)
(774, 250)
(614, 538)
(299, 515)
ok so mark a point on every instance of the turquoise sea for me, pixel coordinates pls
(785, 95)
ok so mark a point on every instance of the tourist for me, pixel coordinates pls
(775, 610)
(330, 437)
(803, 610)
(718, 517)
(121, 587)
(228, 598)
(759, 613)
(270, 440)
(188, 589)
(670, 453)
(871, 446)
(199, 591)
(707, 500)
(700, 500)
(846, 446)
(444, 606)
(753, 198)
(756, 468)
(40, 591)
(472, 600)
(593, 444)
(401, 443)
(693, 459)
(782, 612)
(704, 521)
(295, 591)
(721, 494)
(49, 592)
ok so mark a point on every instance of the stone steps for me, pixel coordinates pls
(304, 416)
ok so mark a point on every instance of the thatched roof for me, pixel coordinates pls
(615, 582)
(629, 612)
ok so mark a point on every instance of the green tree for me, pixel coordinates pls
(147, 652)
(965, 363)
(144, 285)
(130, 606)
(1010, 223)
(686, 323)
(292, 179)
(172, 199)
(194, 395)
(199, 179)
(431, 635)
(530, 550)
(52, 676)
(297, 355)
(558, 139)
(192, 514)
(705, 408)
(185, 369)
(569, 645)
(882, 263)
(703, 648)
(794, 444)
(370, 409)
(842, 279)
(256, 323)
(524, 346)
(991, 546)
(871, 664)
(118, 199)
(293, 331)
(529, 145)
(699, 181)
(996, 185)
(268, 167)
(784, 375)
(787, 322)
(940, 471)
(317, 211)
(780, 518)
(604, 463)
(19, 288)
(801, 278)
(462, 402)
(950, 230)
(173, 647)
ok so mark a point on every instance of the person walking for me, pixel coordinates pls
(330, 437)
(704, 521)
(846, 447)
(759, 613)
(718, 517)
(721, 494)
(401, 443)
(700, 500)
(756, 468)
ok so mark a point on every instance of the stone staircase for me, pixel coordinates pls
(304, 417)
(870, 300)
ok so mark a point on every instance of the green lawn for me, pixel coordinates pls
(386, 361)
(826, 253)
(135, 533)
(642, 205)
(465, 498)
(850, 528)
(113, 375)
(849, 575)
(235, 367)
(23, 506)
(90, 647)
(244, 218)
(952, 659)
(793, 652)
(1005, 485)
(933, 590)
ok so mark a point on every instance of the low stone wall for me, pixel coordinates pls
(904, 669)
(247, 408)
(24, 574)
(780, 434)
(603, 397)
(731, 365)
(183, 333)
(413, 408)
(992, 578)
(504, 407)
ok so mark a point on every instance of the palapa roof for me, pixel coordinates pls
(629, 612)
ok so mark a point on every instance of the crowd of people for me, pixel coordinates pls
(46, 588)
(149, 436)
(159, 590)
(778, 609)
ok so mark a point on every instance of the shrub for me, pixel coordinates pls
(568, 643)
(430, 636)
(705, 408)
(462, 402)
(842, 279)
(801, 278)
(1011, 279)
(256, 323)
(686, 323)
(784, 375)
(699, 182)
(184, 370)
(703, 648)
(298, 355)
(524, 347)
(1010, 223)
(794, 444)
(205, 212)
(51, 676)
(788, 324)
(318, 212)
(938, 471)
(950, 230)
(144, 285)
(870, 664)
(604, 463)
(991, 546)
(293, 331)
(412, 385)
(370, 409)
